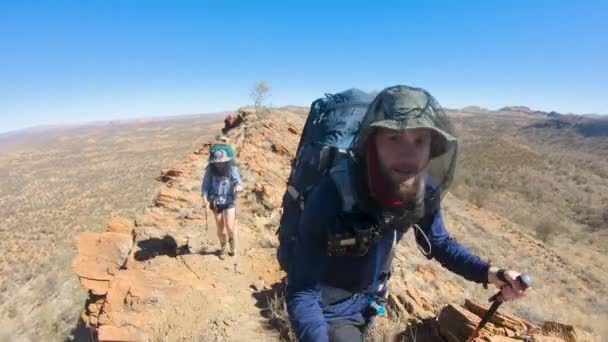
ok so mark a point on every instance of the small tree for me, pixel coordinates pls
(259, 93)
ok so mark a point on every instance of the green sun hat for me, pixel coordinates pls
(403, 107)
(221, 153)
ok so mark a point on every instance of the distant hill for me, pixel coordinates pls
(526, 154)
(587, 125)
(302, 110)
(516, 109)
(474, 109)
(37, 132)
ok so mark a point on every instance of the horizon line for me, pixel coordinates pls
(163, 117)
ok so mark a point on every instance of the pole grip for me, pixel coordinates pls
(524, 279)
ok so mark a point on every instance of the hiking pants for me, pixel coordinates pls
(346, 331)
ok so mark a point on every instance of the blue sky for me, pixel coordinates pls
(78, 61)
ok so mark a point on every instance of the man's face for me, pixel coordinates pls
(402, 156)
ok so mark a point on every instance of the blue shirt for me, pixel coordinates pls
(220, 190)
(312, 268)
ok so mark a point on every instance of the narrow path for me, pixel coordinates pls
(221, 299)
(238, 285)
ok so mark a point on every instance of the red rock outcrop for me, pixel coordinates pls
(235, 120)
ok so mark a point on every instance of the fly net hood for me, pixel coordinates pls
(402, 108)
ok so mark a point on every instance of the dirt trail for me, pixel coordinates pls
(172, 285)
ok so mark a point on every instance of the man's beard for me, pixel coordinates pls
(411, 193)
(408, 191)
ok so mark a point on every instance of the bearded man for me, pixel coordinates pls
(400, 164)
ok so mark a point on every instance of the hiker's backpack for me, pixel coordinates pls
(331, 126)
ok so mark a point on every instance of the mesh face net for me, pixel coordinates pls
(444, 152)
(221, 169)
(404, 107)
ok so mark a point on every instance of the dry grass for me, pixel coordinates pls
(553, 183)
(548, 229)
(379, 330)
(387, 328)
(279, 318)
(527, 175)
(568, 280)
(63, 182)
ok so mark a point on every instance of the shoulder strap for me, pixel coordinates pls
(341, 175)
(431, 203)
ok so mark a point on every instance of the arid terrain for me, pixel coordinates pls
(530, 193)
(538, 171)
(61, 181)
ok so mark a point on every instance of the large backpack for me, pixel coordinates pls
(331, 126)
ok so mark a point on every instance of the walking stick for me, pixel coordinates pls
(206, 220)
(235, 233)
(524, 280)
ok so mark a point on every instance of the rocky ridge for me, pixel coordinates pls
(157, 276)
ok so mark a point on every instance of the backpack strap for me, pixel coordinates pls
(431, 203)
(341, 175)
(328, 155)
(296, 196)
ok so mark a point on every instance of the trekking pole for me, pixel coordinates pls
(235, 234)
(524, 280)
(236, 271)
(206, 221)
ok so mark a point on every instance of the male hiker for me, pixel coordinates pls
(400, 161)
(220, 184)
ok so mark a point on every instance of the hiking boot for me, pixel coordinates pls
(222, 251)
(232, 247)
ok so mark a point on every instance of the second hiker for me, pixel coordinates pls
(221, 182)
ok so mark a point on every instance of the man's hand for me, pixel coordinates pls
(238, 188)
(511, 289)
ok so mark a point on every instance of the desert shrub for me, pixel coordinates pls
(579, 180)
(547, 229)
(51, 283)
(279, 318)
(597, 218)
(12, 311)
(478, 197)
